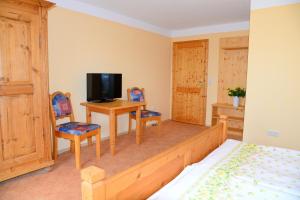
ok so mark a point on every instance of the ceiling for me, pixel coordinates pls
(178, 14)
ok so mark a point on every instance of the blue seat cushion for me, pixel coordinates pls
(147, 113)
(76, 128)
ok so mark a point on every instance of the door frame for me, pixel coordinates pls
(190, 43)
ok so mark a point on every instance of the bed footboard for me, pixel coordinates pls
(142, 180)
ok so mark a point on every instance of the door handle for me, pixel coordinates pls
(4, 79)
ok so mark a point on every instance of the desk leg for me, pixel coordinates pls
(138, 125)
(112, 131)
(89, 120)
(116, 126)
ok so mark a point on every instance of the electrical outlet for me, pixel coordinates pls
(273, 133)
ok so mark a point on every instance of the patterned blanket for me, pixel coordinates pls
(250, 172)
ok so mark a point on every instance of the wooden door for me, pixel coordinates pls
(232, 73)
(232, 67)
(189, 81)
(24, 126)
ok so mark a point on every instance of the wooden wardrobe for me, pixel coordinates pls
(24, 112)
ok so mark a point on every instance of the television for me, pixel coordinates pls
(103, 87)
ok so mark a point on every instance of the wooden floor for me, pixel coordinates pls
(62, 181)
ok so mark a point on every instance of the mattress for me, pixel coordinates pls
(237, 170)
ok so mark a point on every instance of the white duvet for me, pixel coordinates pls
(238, 171)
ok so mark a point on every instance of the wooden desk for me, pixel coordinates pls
(113, 109)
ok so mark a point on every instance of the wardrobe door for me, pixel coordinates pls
(189, 81)
(22, 130)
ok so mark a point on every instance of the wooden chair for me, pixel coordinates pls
(138, 95)
(61, 107)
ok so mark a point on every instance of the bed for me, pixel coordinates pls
(238, 170)
(228, 169)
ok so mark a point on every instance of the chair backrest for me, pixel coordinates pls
(60, 106)
(136, 94)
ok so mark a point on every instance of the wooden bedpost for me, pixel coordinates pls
(223, 120)
(93, 184)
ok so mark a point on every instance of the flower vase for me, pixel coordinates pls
(236, 101)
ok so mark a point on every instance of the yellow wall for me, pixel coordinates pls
(213, 64)
(273, 87)
(80, 43)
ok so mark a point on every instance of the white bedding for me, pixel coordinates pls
(237, 170)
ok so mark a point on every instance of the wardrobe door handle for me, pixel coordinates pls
(4, 79)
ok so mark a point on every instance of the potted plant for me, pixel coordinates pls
(236, 94)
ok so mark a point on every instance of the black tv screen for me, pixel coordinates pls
(103, 86)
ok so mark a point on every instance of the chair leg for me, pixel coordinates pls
(98, 143)
(159, 125)
(143, 124)
(72, 147)
(77, 151)
(54, 146)
(90, 141)
(129, 125)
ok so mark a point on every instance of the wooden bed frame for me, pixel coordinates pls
(144, 179)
